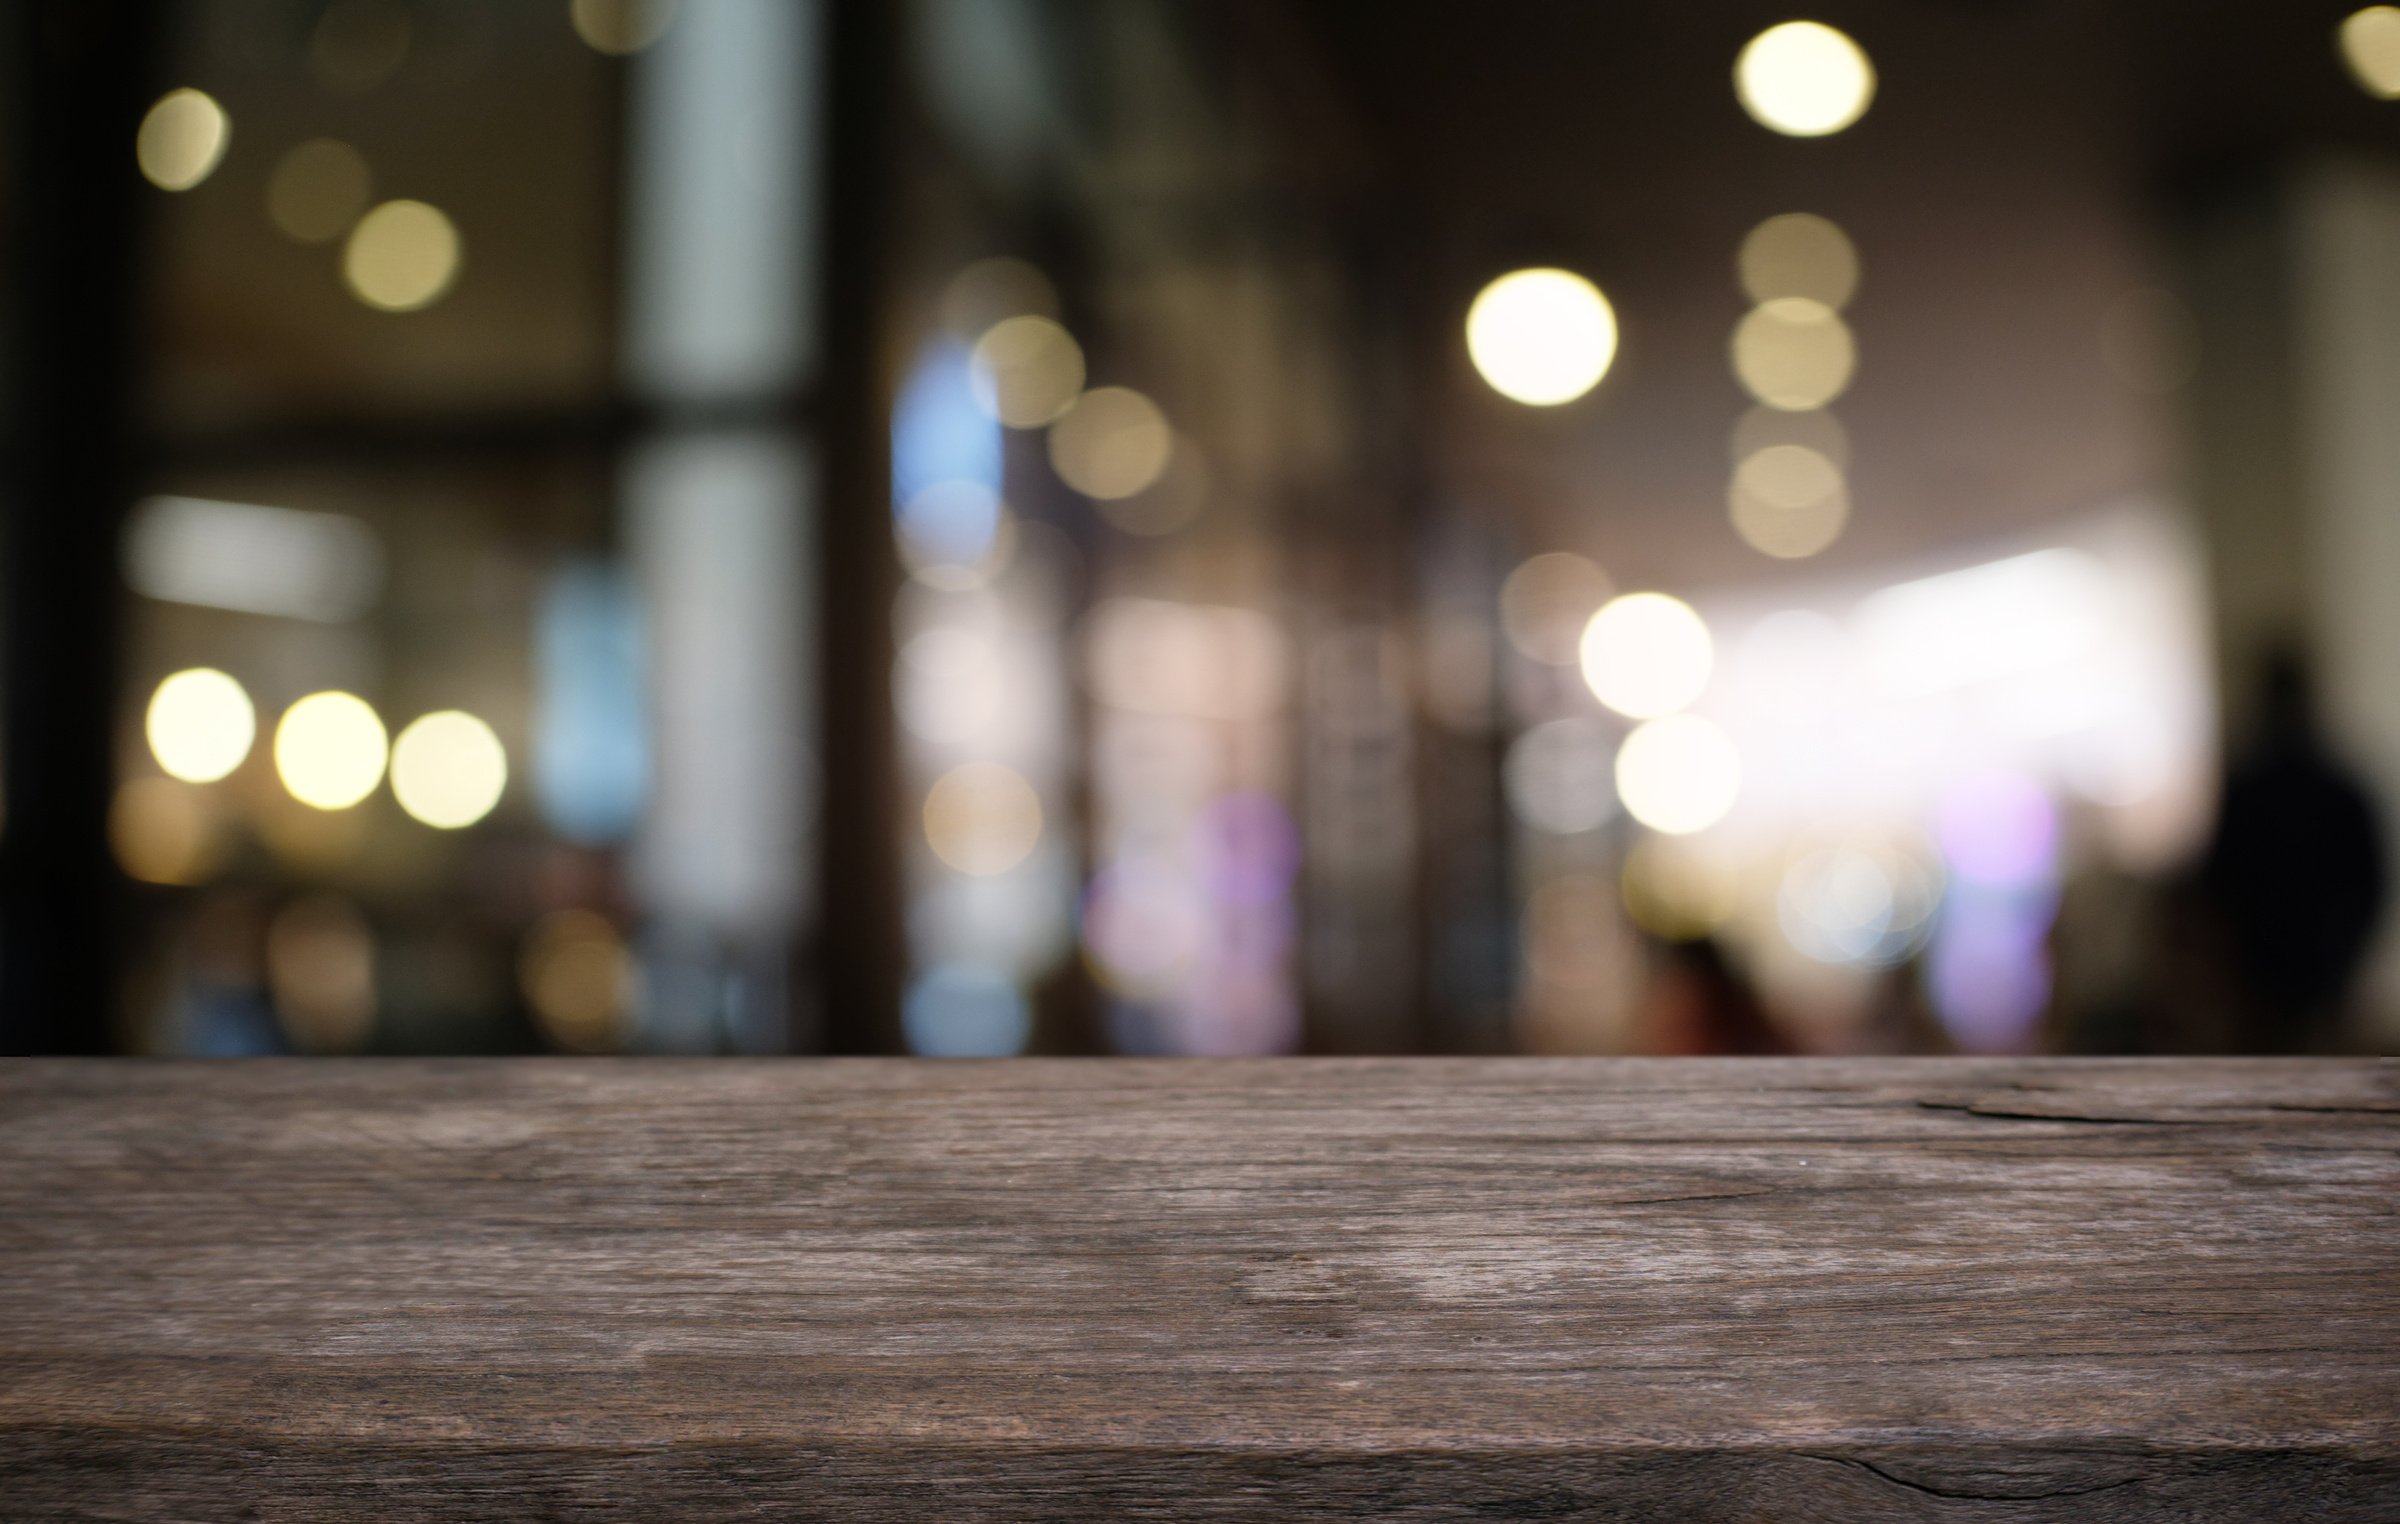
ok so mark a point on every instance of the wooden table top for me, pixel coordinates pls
(1724, 1290)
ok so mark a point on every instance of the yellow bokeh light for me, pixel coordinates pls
(620, 26)
(1541, 337)
(1679, 774)
(182, 139)
(402, 256)
(1027, 371)
(330, 750)
(1546, 602)
(1646, 654)
(321, 972)
(2370, 44)
(991, 291)
(580, 980)
(1794, 354)
(1789, 501)
(982, 818)
(1804, 79)
(1799, 254)
(318, 190)
(1114, 442)
(165, 832)
(200, 725)
(448, 769)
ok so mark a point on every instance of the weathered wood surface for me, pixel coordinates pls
(1715, 1290)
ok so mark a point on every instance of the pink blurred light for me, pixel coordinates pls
(1999, 829)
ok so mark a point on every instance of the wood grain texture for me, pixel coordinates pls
(1720, 1290)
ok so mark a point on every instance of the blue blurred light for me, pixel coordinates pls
(961, 1010)
(939, 434)
(951, 523)
(591, 747)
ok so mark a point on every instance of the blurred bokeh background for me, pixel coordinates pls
(1199, 526)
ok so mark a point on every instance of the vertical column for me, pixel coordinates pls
(720, 507)
(79, 74)
(2348, 387)
(862, 955)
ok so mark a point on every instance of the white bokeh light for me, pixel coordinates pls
(1679, 775)
(200, 725)
(1804, 79)
(1542, 337)
(448, 769)
(1646, 654)
(330, 750)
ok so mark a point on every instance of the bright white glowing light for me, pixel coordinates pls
(2370, 44)
(1678, 775)
(448, 769)
(253, 559)
(200, 725)
(182, 140)
(1542, 337)
(1804, 79)
(1988, 621)
(330, 750)
(1646, 654)
(402, 256)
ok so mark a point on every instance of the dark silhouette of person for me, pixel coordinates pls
(2296, 876)
(1698, 1002)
